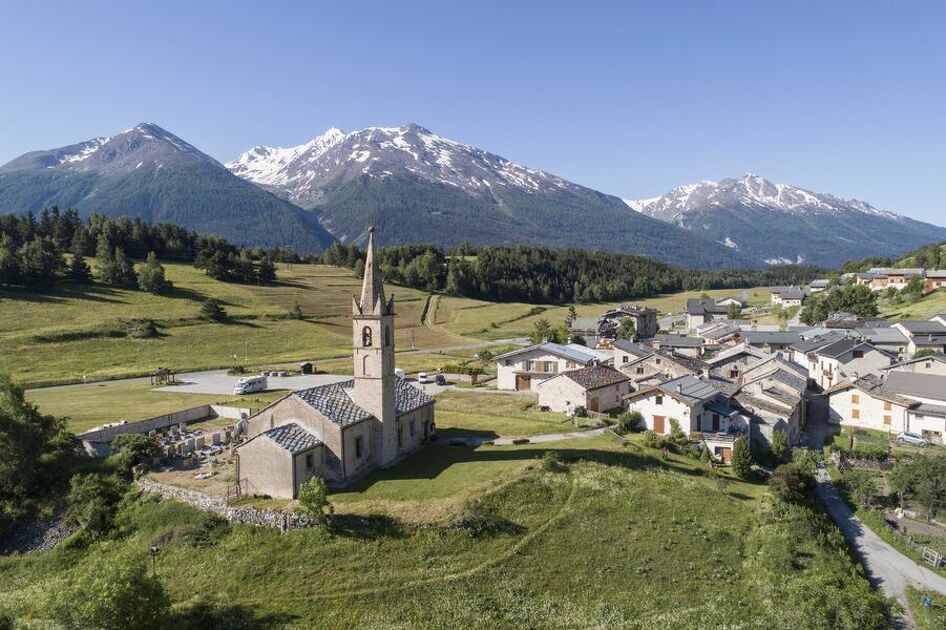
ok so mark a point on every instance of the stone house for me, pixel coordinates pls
(524, 368)
(702, 310)
(646, 366)
(923, 335)
(932, 364)
(596, 388)
(846, 358)
(342, 430)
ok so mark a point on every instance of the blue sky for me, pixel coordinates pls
(628, 98)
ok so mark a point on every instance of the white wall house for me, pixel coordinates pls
(846, 358)
(523, 369)
(863, 404)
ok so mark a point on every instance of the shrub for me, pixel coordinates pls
(212, 310)
(151, 276)
(296, 311)
(792, 482)
(581, 412)
(141, 328)
(678, 439)
(479, 520)
(313, 497)
(93, 503)
(521, 441)
(652, 440)
(781, 449)
(552, 462)
(132, 450)
(209, 530)
(631, 421)
(112, 593)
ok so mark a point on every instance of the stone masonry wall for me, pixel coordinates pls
(276, 519)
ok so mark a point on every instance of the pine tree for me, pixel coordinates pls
(627, 329)
(79, 270)
(741, 458)
(266, 270)
(212, 310)
(9, 264)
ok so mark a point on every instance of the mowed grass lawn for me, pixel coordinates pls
(618, 539)
(491, 320)
(51, 339)
(495, 415)
(87, 406)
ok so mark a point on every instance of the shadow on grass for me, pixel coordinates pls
(373, 527)
(231, 616)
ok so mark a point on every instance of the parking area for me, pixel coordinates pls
(219, 382)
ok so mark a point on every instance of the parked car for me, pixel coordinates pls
(913, 439)
(441, 380)
(422, 378)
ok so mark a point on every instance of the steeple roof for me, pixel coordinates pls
(372, 289)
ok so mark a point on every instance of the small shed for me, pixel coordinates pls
(307, 367)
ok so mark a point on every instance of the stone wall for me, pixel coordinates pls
(243, 515)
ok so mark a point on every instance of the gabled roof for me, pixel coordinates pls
(814, 343)
(779, 338)
(939, 358)
(596, 376)
(690, 388)
(874, 386)
(881, 335)
(700, 306)
(639, 350)
(843, 346)
(335, 403)
(678, 341)
(690, 363)
(913, 384)
(566, 352)
(791, 293)
(923, 327)
(735, 351)
(292, 437)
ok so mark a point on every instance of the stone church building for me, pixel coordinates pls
(342, 430)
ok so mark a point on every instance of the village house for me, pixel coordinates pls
(646, 366)
(803, 352)
(524, 368)
(343, 430)
(730, 364)
(719, 333)
(596, 388)
(770, 341)
(889, 339)
(678, 344)
(702, 310)
(930, 364)
(731, 301)
(923, 335)
(846, 358)
(775, 391)
(604, 327)
(901, 401)
(816, 286)
(788, 296)
(934, 279)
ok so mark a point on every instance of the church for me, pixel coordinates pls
(343, 430)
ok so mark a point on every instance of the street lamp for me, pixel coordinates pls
(154, 560)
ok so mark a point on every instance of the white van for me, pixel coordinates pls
(250, 384)
(422, 378)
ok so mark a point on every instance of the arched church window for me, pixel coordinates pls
(366, 337)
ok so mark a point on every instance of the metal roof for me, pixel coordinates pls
(566, 352)
(781, 338)
(916, 385)
(690, 388)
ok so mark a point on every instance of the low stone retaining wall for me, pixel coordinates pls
(276, 519)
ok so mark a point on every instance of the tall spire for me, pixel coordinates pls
(372, 289)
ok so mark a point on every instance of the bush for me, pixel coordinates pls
(93, 503)
(151, 276)
(631, 421)
(212, 310)
(792, 482)
(313, 497)
(781, 449)
(296, 311)
(112, 593)
(480, 520)
(132, 450)
(652, 440)
(581, 412)
(552, 462)
(209, 530)
(141, 328)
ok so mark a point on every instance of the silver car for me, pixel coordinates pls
(913, 439)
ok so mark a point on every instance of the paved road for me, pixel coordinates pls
(887, 568)
(533, 439)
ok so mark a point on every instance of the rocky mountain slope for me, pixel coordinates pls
(778, 223)
(149, 172)
(417, 186)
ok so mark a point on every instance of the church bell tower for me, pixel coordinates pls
(373, 354)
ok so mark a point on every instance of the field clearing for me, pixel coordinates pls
(495, 415)
(88, 406)
(489, 320)
(59, 338)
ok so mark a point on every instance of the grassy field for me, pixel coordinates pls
(933, 618)
(58, 338)
(495, 415)
(491, 320)
(88, 406)
(615, 539)
(923, 308)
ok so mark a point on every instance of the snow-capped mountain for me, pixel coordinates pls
(417, 186)
(779, 223)
(148, 172)
(302, 173)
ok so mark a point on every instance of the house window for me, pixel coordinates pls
(308, 461)
(570, 365)
(887, 405)
(855, 399)
(858, 354)
(359, 446)
(640, 370)
(855, 414)
(528, 366)
(733, 373)
(887, 420)
(658, 400)
(366, 337)
(550, 367)
(626, 358)
(657, 361)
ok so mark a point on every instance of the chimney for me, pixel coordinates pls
(679, 388)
